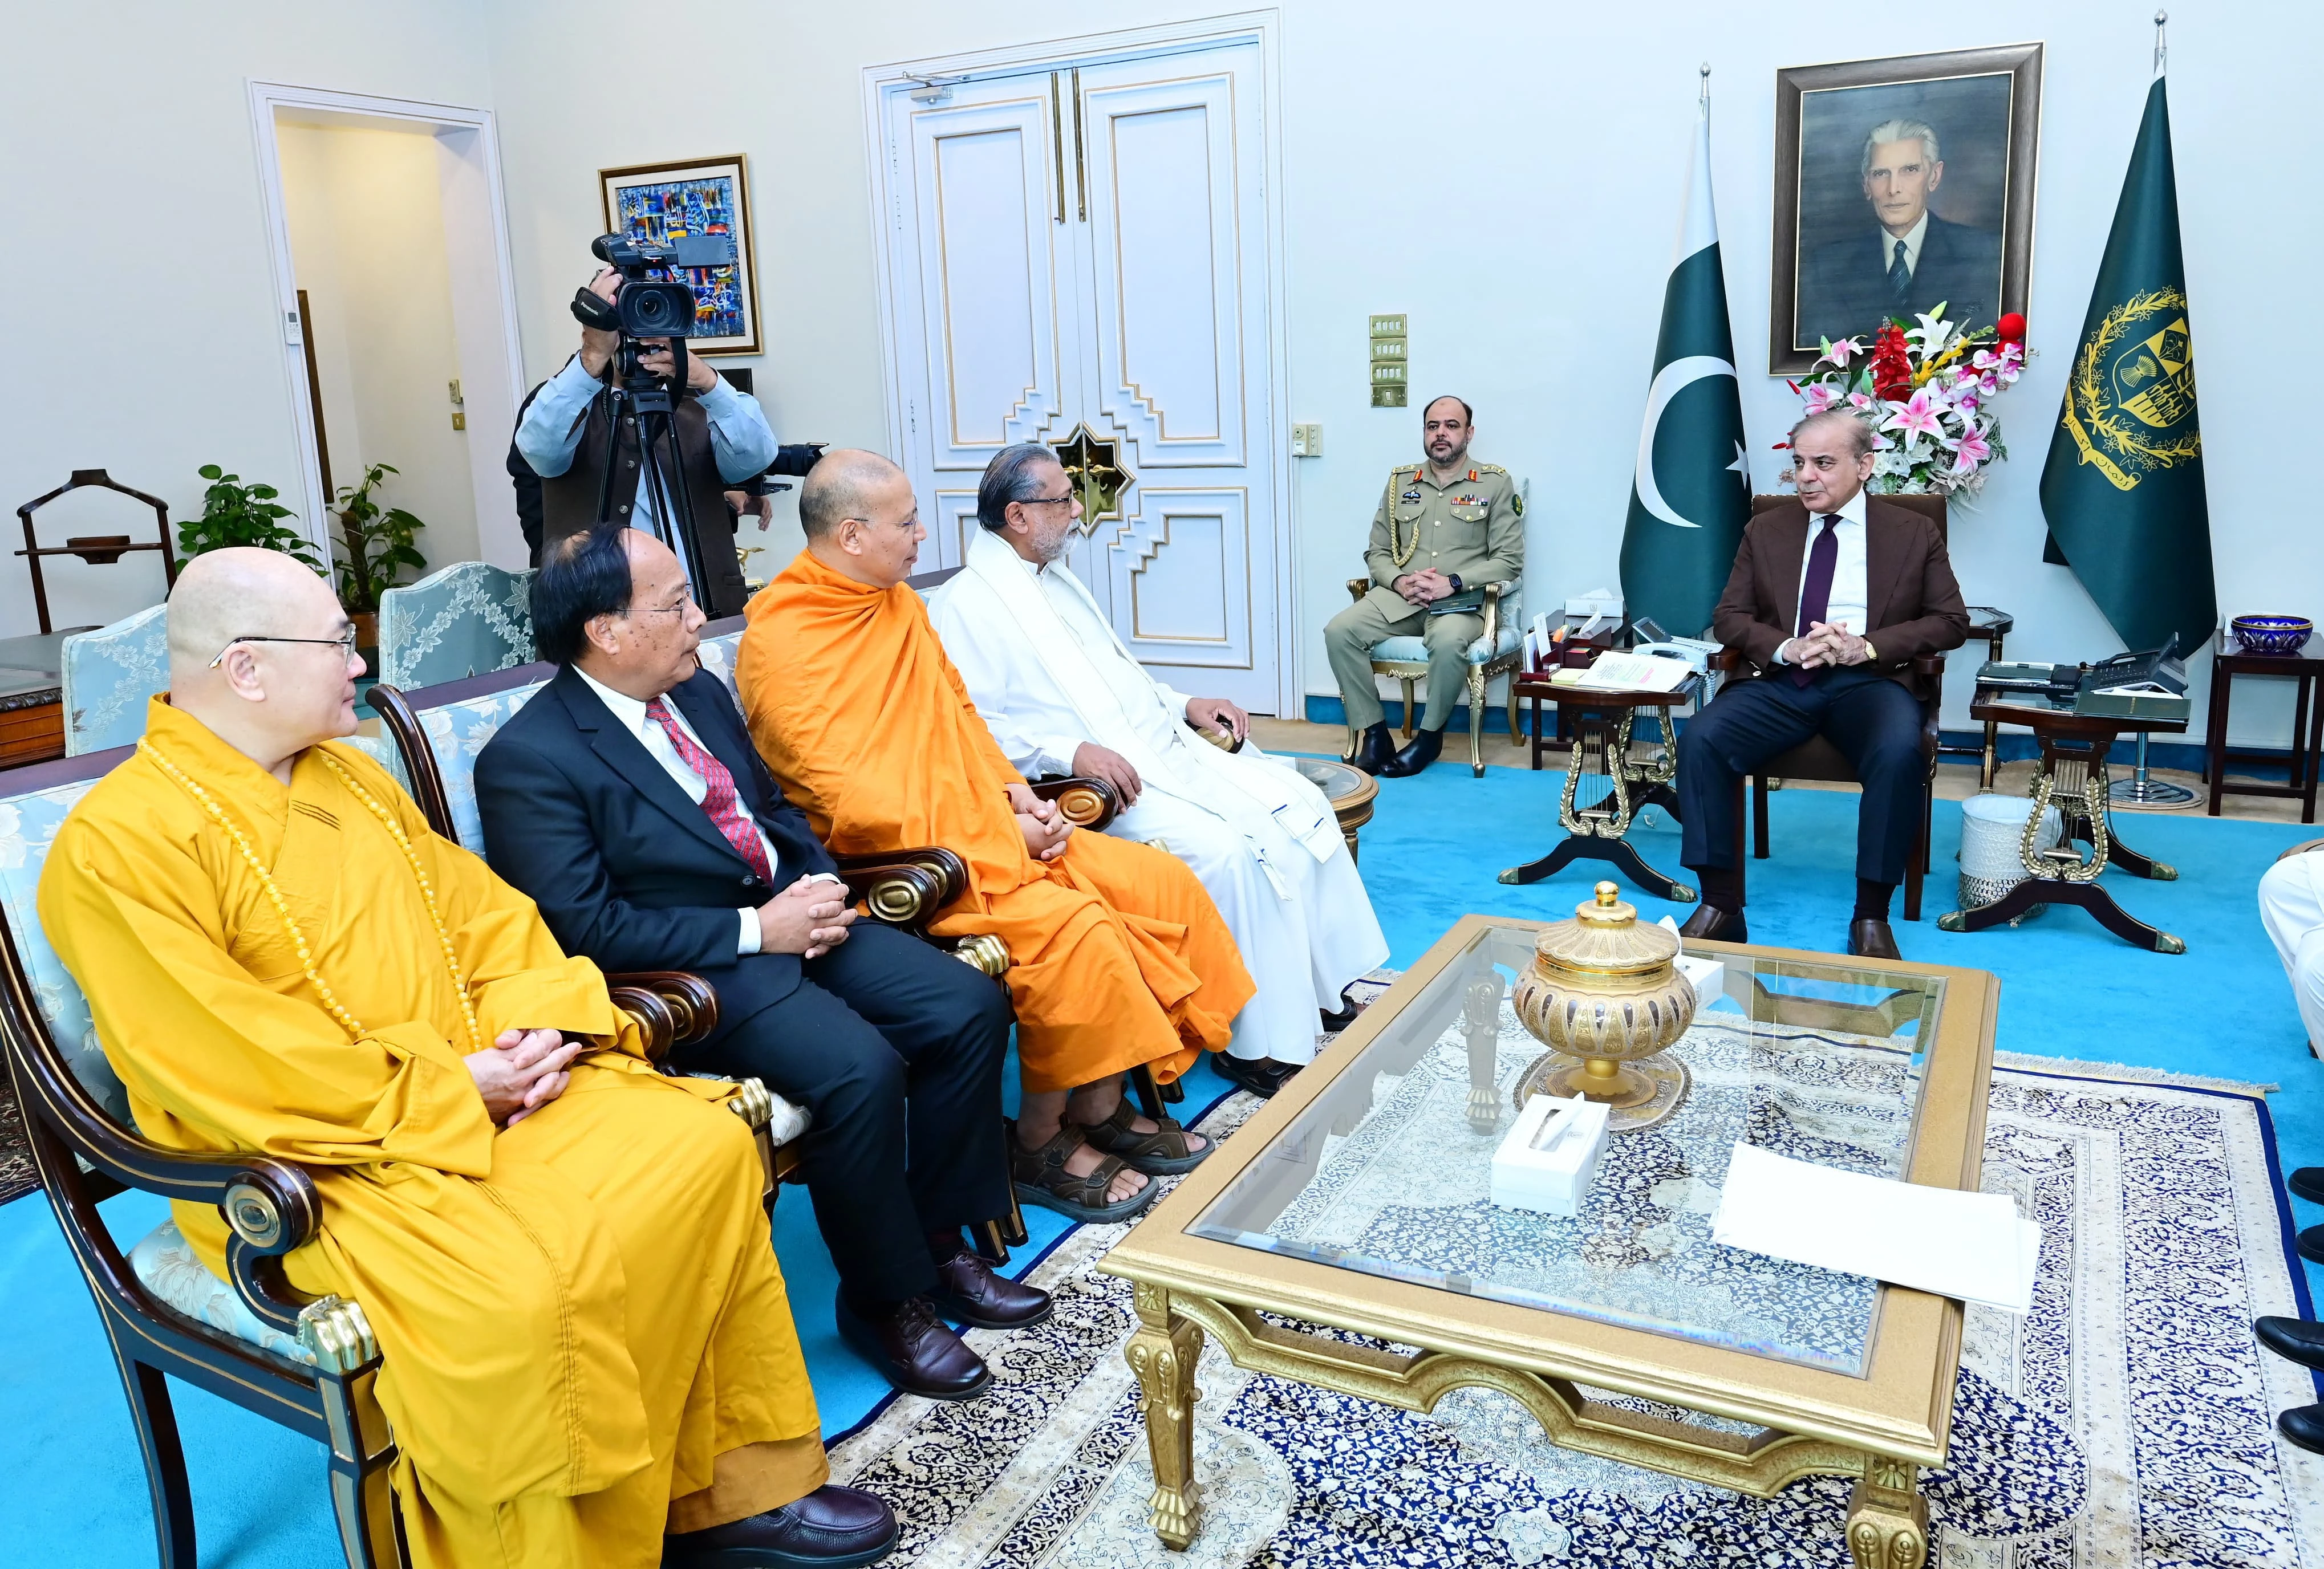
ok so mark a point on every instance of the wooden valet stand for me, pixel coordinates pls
(1601, 723)
(2072, 776)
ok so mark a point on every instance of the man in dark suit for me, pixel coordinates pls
(1908, 260)
(627, 800)
(1833, 624)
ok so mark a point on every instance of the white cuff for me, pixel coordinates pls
(749, 941)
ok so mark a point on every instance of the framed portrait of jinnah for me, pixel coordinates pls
(665, 201)
(1902, 184)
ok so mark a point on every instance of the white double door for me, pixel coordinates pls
(1079, 258)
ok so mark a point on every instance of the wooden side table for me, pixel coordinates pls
(2305, 669)
(1602, 722)
(2072, 776)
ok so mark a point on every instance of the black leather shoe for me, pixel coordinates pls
(1262, 1075)
(2299, 1340)
(2304, 1425)
(2311, 1243)
(831, 1527)
(2307, 1182)
(1423, 749)
(915, 1351)
(1713, 924)
(1373, 749)
(1869, 939)
(968, 1291)
(1335, 1022)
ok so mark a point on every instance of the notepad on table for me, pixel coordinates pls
(1970, 1246)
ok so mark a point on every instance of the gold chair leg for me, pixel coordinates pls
(1476, 721)
(1163, 1354)
(1410, 712)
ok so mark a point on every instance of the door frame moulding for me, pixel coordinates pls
(888, 185)
(392, 114)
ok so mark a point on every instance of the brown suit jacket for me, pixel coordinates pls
(1913, 606)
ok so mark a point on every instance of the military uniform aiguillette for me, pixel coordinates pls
(1473, 530)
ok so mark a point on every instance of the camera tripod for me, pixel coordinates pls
(639, 399)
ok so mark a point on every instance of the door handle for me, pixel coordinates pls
(1081, 149)
(1057, 142)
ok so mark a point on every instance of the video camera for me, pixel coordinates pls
(646, 306)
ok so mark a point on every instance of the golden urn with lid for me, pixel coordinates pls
(1604, 992)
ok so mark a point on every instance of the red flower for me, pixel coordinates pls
(2012, 329)
(1892, 368)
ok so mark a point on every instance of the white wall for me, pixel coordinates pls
(366, 220)
(129, 124)
(1510, 176)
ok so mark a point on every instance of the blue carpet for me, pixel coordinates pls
(76, 1496)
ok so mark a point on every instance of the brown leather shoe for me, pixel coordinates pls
(969, 1291)
(1872, 940)
(1712, 924)
(913, 1351)
(832, 1528)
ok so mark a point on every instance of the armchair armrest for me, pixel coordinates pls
(905, 887)
(1086, 803)
(1226, 741)
(1358, 587)
(672, 1006)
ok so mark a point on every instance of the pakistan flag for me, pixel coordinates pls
(2123, 488)
(1691, 493)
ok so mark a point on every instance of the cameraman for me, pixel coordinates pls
(723, 441)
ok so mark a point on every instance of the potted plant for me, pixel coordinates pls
(376, 542)
(234, 513)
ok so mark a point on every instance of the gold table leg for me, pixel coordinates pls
(1887, 1518)
(1163, 1354)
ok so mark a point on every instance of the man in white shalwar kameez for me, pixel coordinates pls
(1063, 696)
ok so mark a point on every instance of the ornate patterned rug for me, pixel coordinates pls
(17, 1177)
(2127, 1421)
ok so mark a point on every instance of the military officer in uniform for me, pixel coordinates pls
(1445, 528)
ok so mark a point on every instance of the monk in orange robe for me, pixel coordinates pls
(1120, 957)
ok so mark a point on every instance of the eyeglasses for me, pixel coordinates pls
(685, 603)
(344, 643)
(1044, 501)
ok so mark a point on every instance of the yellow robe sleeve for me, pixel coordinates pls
(240, 1066)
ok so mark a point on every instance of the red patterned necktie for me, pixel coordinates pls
(1815, 593)
(720, 800)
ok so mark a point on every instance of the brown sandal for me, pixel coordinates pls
(1164, 1152)
(1041, 1177)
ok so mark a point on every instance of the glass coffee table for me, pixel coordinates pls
(1344, 1236)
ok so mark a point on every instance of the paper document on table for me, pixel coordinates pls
(1612, 672)
(1970, 1246)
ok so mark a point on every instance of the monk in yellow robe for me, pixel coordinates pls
(1118, 955)
(586, 1339)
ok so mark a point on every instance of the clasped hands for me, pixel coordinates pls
(1423, 587)
(523, 1070)
(1045, 827)
(1825, 643)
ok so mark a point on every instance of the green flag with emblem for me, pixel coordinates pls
(2123, 488)
(1691, 492)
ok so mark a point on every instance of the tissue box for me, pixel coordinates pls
(1709, 976)
(1557, 1180)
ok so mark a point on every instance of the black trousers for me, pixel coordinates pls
(1872, 719)
(895, 1048)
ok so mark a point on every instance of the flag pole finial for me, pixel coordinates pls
(1705, 72)
(2162, 46)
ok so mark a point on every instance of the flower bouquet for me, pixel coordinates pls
(1926, 391)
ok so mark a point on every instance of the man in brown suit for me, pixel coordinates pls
(1831, 600)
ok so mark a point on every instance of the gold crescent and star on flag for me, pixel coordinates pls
(2130, 401)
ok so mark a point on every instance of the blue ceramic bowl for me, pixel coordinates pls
(2271, 634)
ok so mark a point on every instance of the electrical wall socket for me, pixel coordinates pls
(1308, 440)
(459, 422)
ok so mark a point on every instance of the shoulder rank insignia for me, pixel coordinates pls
(1491, 469)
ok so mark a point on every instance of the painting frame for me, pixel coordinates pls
(727, 175)
(1797, 107)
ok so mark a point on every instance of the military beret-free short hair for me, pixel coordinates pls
(582, 576)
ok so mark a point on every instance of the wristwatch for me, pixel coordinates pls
(1455, 578)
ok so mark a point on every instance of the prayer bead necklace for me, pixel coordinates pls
(347, 1020)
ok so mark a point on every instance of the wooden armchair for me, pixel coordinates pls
(1496, 653)
(1818, 760)
(309, 1365)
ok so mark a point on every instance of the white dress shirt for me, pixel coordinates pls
(1846, 607)
(631, 715)
(1912, 238)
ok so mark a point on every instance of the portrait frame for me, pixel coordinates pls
(1999, 91)
(637, 201)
